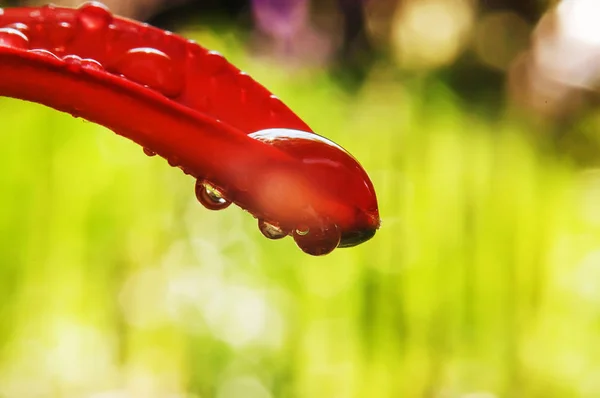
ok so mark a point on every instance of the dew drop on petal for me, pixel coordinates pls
(19, 26)
(94, 16)
(214, 63)
(45, 53)
(73, 62)
(210, 197)
(244, 82)
(318, 241)
(153, 68)
(10, 37)
(271, 231)
(149, 152)
(276, 106)
(89, 63)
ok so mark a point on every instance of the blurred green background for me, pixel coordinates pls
(483, 282)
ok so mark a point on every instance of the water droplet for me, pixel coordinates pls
(149, 152)
(60, 35)
(214, 63)
(271, 231)
(244, 82)
(194, 50)
(276, 106)
(318, 241)
(303, 230)
(73, 62)
(13, 38)
(186, 171)
(94, 16)
(210, 197)
(173, 161)
(89, 63)
(19, 26)
(153, 68)
(45, 53)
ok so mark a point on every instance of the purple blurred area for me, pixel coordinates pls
(280, 18)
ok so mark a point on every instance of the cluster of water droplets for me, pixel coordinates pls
(146, 66)
(17, 36)
(316, 241)
(156, 70)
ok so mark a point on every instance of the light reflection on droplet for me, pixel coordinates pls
(271, 231)
(152, 68)
(13, 38)
(210, 197)
(94, 16)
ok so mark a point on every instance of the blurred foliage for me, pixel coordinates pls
(484, 281)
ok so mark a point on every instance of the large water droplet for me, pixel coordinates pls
(14, 38)
(153, 68)
(318, 241)
(210, 197)
(94, 16)
(271, 231)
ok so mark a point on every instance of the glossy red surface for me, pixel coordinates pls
(192, 107)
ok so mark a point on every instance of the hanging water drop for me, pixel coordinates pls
(149, 152)
(153, 68)
(210, 197)
(318, 241)
(173, 161)
(94, 16)
(271, 231)
(13, 38)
